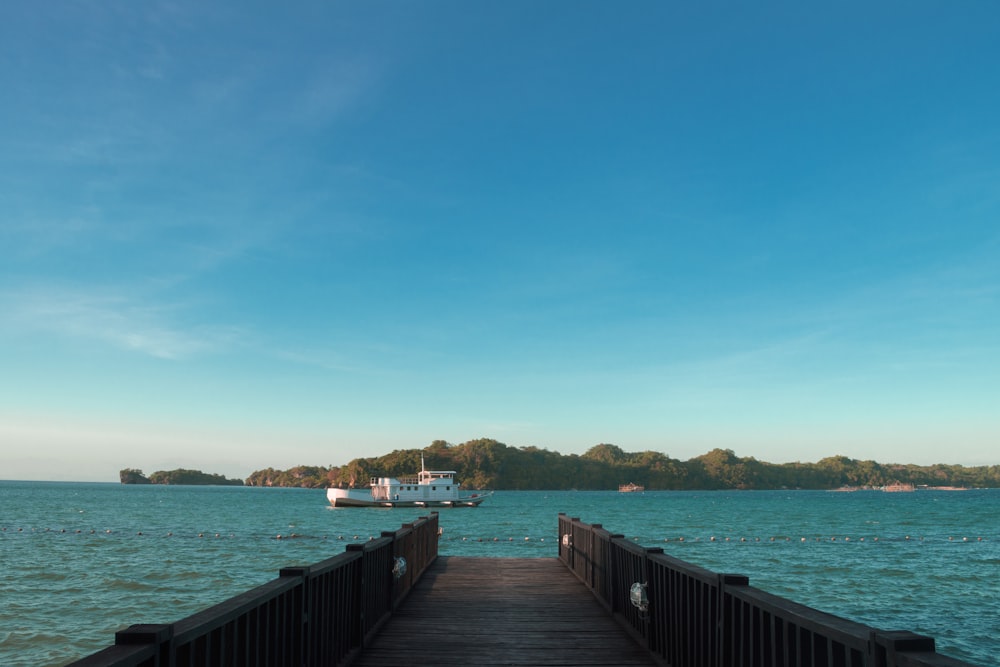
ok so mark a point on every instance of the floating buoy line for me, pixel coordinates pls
(444, 537)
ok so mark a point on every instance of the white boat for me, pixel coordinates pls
(429, 488)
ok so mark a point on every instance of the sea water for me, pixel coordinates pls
(80, 561)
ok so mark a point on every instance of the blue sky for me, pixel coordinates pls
(236, 235)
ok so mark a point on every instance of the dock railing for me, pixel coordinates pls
(688, 616)
(318, 614)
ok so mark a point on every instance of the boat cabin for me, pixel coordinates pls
(427, 486)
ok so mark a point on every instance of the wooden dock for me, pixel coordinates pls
(604, 600)
(501, 611)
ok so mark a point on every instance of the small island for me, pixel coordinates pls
(179, 476)
(132, 476)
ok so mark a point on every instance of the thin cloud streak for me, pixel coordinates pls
(115, 319)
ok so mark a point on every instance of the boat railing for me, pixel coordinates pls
(688, 615)
(310, 615)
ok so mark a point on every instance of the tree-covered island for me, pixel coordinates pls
(488, 464)
(179, 476)
(132, 476)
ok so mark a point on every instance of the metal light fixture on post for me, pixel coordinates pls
(399, 567)
(637, 595)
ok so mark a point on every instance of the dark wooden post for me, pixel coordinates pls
(158, 634)
(304, 633)
(729, 632)
(594, 561)
(885, 645)
(398, 549)
(612, 567)
(653, 612)
(565, 540)
(361, 602)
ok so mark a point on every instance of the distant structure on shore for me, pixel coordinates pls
(630, 488)
(898, 487)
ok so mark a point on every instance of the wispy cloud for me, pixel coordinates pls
(114, 318)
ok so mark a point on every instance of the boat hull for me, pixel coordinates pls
(363, 498)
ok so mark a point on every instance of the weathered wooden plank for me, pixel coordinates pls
(501, 611)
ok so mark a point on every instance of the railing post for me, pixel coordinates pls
(652, 611)
(592, 547)
(393, 590)
(565, 540)
(159, 634)
(361, 599)
(409, 554)
(884, 646)
(611, 573)
(305, 639)
(587, 550)
(728, 625)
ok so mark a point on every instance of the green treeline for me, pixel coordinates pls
(488, 464)
(307, 477)
(179, 476)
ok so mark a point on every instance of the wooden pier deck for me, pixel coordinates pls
(501, 611)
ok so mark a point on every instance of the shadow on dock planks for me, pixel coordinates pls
(501, 611)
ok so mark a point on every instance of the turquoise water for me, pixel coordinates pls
(81, 561)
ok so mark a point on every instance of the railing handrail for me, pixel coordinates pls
(317, 614)
(688, 615)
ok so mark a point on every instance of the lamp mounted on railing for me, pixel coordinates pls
(399, 567)
(637, 595)
(567, 540)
